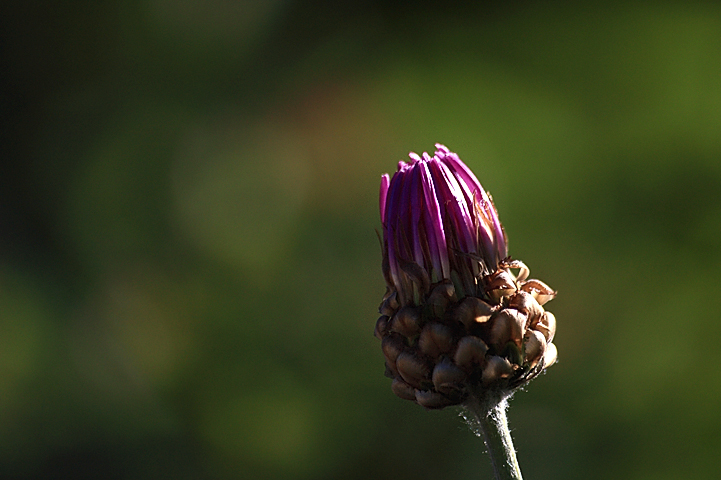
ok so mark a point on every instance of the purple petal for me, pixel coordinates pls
(434, 225)
(392, 217)
(452, 198)
(466, 176)
(416, 209)
(385, 182)
(440, 148)
(434, 210)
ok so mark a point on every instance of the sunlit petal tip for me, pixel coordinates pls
(440, 148)
(414, 157)
(385, 183)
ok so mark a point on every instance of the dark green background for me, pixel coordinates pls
(189, 272)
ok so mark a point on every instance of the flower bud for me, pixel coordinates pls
(457, 326)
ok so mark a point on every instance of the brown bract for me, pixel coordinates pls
(446, 350)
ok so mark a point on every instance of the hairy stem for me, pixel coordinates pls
(493, 426)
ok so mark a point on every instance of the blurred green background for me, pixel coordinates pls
(189, 273)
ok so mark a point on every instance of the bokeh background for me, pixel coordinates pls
(189, 272)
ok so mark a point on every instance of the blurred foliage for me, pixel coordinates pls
(189, 272)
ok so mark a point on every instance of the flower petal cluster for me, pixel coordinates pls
(457, 325)
(438, 223)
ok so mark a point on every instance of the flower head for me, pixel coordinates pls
(457, 325)
(438, 223)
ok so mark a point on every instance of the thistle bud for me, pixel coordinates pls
(457, 325)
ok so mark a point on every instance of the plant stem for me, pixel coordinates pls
(493, 425)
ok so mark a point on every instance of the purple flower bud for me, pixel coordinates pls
(438, 224)
(457, 325)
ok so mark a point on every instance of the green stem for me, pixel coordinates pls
(493, 425)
